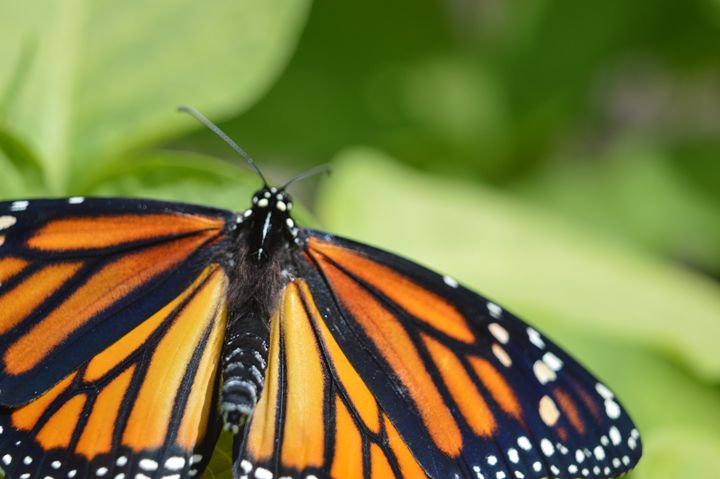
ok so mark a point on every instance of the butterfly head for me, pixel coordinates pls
(269, 221)
(271, 198)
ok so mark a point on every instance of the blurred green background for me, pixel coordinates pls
(560, 157)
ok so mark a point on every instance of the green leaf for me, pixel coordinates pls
(525, 257)
(680, 452)
(21, 157)
(634, 193)
(220, 466)
(180, 176)
(105, 77)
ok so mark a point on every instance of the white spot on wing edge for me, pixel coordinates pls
(499, 332)
(543, 373)
(554, 362)
(246, 466)
(524, 443)
(7, 459)
(148, 464)
(175, 463)
(612, 409)
(262, 473)
(494, 310)
(604, 391)
(450, 281)
(6, 221)
(632, 443)
(19, 205)
(599, 453)
(535, 338)
(547, 448)
(501, 355)
(549, 412)
(76, 200)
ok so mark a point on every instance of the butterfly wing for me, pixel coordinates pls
(78, 274)
(316, 416)
(143, 407)
(463, 385)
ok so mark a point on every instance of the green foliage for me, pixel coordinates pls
(559, 157)
(84, 82)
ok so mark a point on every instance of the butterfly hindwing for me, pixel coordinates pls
(143, 407)
(316, 417)
(471, 390)
(77, 274)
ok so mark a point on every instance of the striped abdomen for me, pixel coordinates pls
(243, 371)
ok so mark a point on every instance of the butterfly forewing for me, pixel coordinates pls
(76, 275)
(494, 394)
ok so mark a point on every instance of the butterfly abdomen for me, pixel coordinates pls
(243, 370)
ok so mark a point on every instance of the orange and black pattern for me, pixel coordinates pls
(128, 411)
(316, 415)
(75, 277)
(132, 330)
(492, 395)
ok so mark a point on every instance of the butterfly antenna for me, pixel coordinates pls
(318, 170)
(216, 129)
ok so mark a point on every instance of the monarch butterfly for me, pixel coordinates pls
(132, 331)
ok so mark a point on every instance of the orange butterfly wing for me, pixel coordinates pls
(385, 369)
(144, 406)
(76, 276)
(316, 416)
